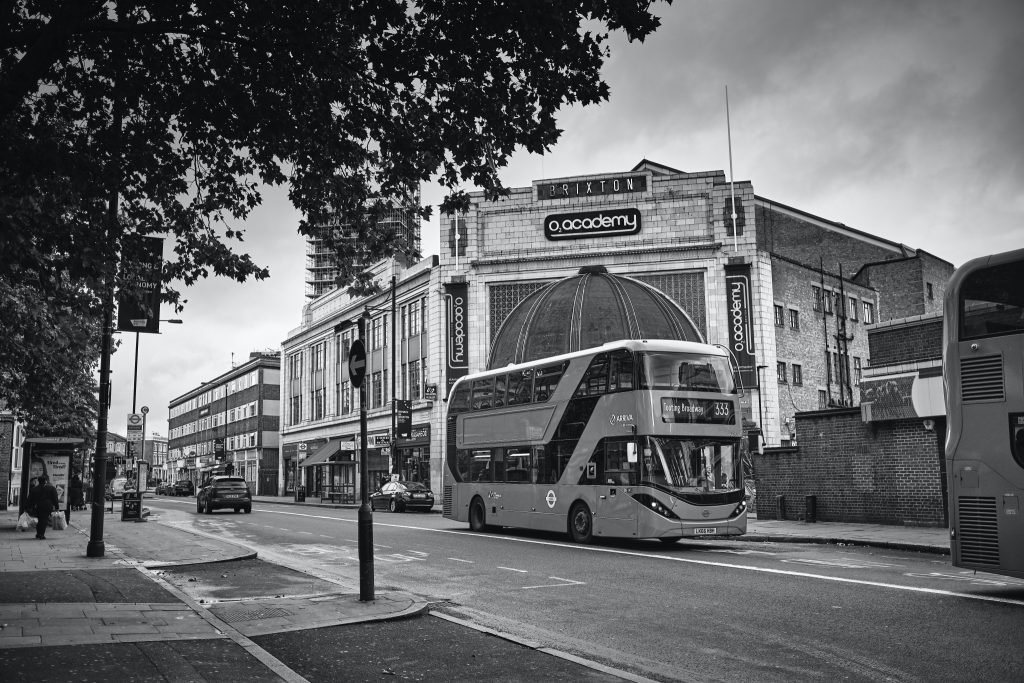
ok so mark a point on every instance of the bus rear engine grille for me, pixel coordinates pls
(446, 500)
(981, 379)
(979, 530)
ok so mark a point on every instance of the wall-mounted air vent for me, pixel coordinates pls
(981, 379)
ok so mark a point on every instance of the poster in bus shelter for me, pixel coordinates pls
(57, 466)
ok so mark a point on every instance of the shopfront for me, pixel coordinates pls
(412, 455)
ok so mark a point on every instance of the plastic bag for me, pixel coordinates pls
(26, 521)
(58, 522)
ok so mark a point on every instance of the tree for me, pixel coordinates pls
(164, 117)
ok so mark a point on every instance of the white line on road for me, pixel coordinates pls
(521, 571)
(455, 559)
(564, 582)
(706, 563)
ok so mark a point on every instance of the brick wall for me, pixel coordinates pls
(920, 341)
(880, 473)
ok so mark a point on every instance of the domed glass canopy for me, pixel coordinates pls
(584, 311)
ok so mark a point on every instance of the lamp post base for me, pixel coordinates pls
(96, 549)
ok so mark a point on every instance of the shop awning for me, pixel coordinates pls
(325, 453)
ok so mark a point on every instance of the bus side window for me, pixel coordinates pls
(545, 381)
(517, 465)
(459, 401)
(595, 379)
(483, 393)
(480, 466)
(621, 370)
(520, 387)
(499, 390)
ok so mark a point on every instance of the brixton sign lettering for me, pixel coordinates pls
(568, 226)
(592, 188)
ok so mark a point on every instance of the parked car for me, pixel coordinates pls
(185, 487)
(163, 488)
(398, 496)
(224, 492)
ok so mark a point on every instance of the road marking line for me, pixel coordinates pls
(455, 559)
(511, 569)
(706, 563)
(565, 582)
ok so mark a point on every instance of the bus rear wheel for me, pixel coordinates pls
(477, 516)
(581, 523)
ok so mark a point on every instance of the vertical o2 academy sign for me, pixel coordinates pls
(457, 310)
(741, 330)
(606, 223)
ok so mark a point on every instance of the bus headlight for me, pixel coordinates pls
(652, 503)
(739, 509)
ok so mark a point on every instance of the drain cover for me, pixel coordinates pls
(233, 614)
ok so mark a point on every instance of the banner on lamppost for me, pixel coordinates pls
(403, 418)
(139, 283)
(457, 309)
(740, 314)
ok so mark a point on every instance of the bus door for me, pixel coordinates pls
(613, 470)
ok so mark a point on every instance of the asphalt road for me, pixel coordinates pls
(704, 610)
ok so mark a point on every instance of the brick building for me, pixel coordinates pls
(232, 419)
(880, 463)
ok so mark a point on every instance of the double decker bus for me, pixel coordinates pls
(633, 439)
(983, 361)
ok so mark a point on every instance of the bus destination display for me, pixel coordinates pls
(697, 411)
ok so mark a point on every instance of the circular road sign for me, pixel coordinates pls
(145, 409)
(357, 363)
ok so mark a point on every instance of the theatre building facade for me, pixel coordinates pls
(788, 293)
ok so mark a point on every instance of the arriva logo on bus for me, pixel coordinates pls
(592, 224)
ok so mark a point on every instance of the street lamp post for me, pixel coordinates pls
(135, 387)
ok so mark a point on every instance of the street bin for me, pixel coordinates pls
(811, 509)
(780, 507)
(300, 494)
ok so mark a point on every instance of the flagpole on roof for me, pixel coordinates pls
(732, 182)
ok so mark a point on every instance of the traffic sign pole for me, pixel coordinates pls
(357, 373)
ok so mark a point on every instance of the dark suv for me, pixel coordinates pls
(185, 487)
(224, 492)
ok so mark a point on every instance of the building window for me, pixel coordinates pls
(798, 375)
(376, 393)
(830, 300)
(828, 367)
(779, 320)
(319, 352)
(931, 293)
(780, 370)
(816, 293)
(822, 399)
(295, 410)
(318, 404)
(794, 319)
(345, 398)
(414, 380)
(853, 308)
(295, 365)
(869, 313)
(857, 370)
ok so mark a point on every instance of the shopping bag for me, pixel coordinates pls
(26, 521)
(58, 522)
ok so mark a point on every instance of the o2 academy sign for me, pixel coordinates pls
(571, 226)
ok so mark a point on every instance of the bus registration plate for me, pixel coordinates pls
(705, 531)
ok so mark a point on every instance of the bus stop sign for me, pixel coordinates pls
(357, 363)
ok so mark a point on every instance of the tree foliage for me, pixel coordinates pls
(182, 110)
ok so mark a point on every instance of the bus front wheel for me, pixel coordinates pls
(477, 516)
(581, 523)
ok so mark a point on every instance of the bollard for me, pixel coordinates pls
(811, 509)
(780, 507)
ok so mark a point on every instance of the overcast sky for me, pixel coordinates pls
(899, 118)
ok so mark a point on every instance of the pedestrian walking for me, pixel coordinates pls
(43, 499)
